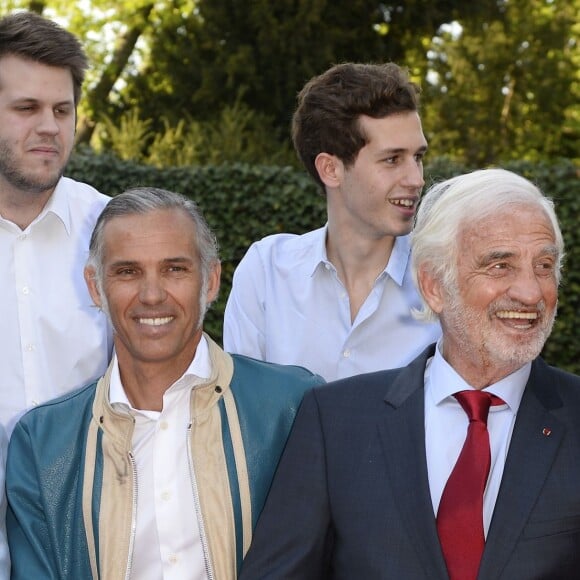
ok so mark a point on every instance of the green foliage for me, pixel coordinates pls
(199, 61)
(238, 135)
(243, 203)
(177, 146)
(507, 88)
(126, 138)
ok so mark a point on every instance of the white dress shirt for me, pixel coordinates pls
(4, 554)
(288, 306)
(446, 427)
(53, 338)
(168, 541)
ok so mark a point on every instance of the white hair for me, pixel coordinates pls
(449, 206)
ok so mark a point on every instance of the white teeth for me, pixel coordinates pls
(517, 315)
(155, 321)
(403, 202)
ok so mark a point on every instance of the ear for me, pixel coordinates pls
(329, 169)
(431, 289)
(89, 273)
(213, 282)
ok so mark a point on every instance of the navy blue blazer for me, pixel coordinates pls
(351, 495)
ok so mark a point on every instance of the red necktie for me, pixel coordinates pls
(460, 514)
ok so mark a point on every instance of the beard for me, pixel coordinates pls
(26, 180)
(474, 331)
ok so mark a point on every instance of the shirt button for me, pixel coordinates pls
(29, 347)
(172, 559)
(166, 496)
(34, 403)
(346, 353)
(25, 290)
(163, 425)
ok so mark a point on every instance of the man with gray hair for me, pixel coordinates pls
(464, 464)
(160, 469)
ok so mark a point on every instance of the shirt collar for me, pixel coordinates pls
(318, 257)
(198, 371)
(400, 256)
(57, 205)
(444, 381)
(396, 266)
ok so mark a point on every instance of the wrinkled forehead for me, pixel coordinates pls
(515, 224)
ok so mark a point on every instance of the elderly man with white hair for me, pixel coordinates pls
(464, 464)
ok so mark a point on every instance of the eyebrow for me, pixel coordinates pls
(33, 101)
(497, 255)
(121, 263)
(550, 250)
(394, 150)
(175, 260)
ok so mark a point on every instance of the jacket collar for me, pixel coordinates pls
(119, 425)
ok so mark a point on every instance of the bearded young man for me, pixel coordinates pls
(53, 339)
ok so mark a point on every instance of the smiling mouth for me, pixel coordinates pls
(408, 203)
(515, 315)
(155, 321)
(518, 320)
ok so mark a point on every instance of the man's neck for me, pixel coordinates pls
(358, 262)
(476, 368)
(145, 385)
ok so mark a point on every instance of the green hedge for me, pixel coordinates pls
(243, 203)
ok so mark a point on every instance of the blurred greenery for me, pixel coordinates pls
(216, 80)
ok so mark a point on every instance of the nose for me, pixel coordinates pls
(48, 123)
(152, 291)
(413, 177)
(527, 288)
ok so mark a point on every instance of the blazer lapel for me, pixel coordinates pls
(402, 433)
(530, 457)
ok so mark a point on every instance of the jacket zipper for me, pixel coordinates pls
(206, 557)
(133, 518)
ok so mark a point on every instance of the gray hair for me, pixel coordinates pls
(142, 200)
(450, 205)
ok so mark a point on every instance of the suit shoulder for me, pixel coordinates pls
(568, 383)
(542, 369)
(359, 389)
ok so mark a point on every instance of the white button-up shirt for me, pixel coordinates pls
(53, 338)
(168, 541)
(4, 555)
(446, 427)
(288, 306)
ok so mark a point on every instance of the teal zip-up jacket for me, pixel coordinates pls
(70, 479)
